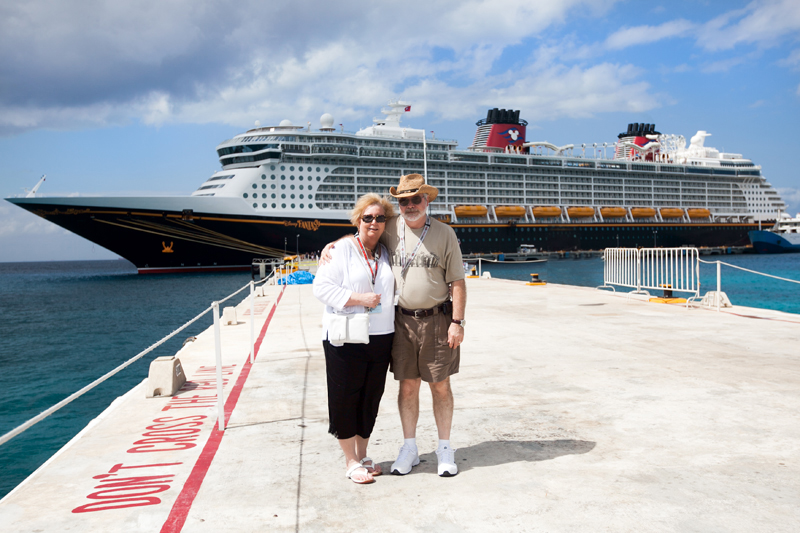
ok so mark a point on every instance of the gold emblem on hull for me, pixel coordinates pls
(167, 249)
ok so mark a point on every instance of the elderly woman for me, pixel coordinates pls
(358, 279)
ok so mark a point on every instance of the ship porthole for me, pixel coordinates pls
(272, 167)
(263, 176)
(255, 186)
(283, 167)
(310, 206)
(283, 206)
(301, 206)
(273, 206)
(291, 168)
(273, 186)
(264, 206)
(263, 185)
(326, 169)
(283, 196)
(244, 195)
(255, 204)
(264, 195)
(292, 206)
(272, 177)
(318, 178)
(273, 195)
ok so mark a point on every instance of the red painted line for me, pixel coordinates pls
(180, 509)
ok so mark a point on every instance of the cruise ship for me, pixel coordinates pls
(286, 188)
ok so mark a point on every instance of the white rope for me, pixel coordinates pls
(748, 270)
(44, 414)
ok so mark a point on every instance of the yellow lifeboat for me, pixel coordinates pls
(643, 212)
(471, 211)
(442, 218)
(671, 212)
(613, 212)
(580, 212)
(510, 211)
(547, 211)
(698, 213)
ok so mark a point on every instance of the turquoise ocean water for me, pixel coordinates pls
(65, 324)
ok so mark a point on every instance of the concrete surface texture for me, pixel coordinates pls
(576, 410)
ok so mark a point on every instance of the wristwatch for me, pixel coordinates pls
(461, 322)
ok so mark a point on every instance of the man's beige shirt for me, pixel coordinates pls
(437, 263)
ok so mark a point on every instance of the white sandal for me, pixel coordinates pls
(372, 465)
(352, 470)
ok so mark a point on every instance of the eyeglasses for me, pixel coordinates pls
(416, 200)
(380, 219)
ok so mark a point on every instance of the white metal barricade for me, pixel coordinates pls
(671, 269)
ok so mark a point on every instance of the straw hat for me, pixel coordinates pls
(412, 184)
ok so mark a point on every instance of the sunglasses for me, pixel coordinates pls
(369, 218)
(416, 200)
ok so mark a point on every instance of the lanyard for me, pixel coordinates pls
(407, 263)
(366, 258)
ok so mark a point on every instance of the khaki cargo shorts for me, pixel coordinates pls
(420, 348)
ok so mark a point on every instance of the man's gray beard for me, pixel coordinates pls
(412, 217)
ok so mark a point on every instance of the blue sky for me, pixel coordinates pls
(112, 98)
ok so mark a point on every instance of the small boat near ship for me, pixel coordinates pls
(286, 188)
(784, 237)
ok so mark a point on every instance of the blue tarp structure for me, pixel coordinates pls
(301, 277)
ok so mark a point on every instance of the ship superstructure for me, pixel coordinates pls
(288, 188)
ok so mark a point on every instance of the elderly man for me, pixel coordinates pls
(429, 326)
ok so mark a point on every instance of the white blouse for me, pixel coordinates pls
(347, 273)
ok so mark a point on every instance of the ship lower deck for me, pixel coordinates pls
(159, 241)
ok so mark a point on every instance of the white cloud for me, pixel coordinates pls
(791, 196)
(762, 22)
(16, 221)
(72, 67)
(648, 34)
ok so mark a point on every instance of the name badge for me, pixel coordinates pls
(376, 310)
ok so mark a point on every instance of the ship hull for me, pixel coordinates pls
(157, 239)
(768, 242)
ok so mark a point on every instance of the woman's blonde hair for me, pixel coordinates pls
(368, 200)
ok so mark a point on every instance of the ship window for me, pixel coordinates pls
(292, 206)
(301, 187)
(263, 185)
(326, 169)
(255, 204)
(283, 177)
(283, 196)
(291, 168)
(310, 197)
(317, 169)
(255, 186)
(310, 206)
(291, 187)
(272, 186)
(283, 206)
(273, 206)
(244, 195)
(291, 177)
(300, 178)
(273, 195)
(292, 196)
(272, 167)
(283, 167)
(283, 186)
(318, 178)
(301, 206)
(263, 176)
(264, 206)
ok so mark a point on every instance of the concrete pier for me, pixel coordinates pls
(576, 410)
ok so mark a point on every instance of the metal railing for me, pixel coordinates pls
(218, 353)
(669, 269)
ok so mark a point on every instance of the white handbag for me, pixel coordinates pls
(351, 329)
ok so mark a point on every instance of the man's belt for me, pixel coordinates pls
(445, 308)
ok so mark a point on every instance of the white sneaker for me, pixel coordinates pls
(447, 462)
(407, 458)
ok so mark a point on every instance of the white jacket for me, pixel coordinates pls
(347, 273)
